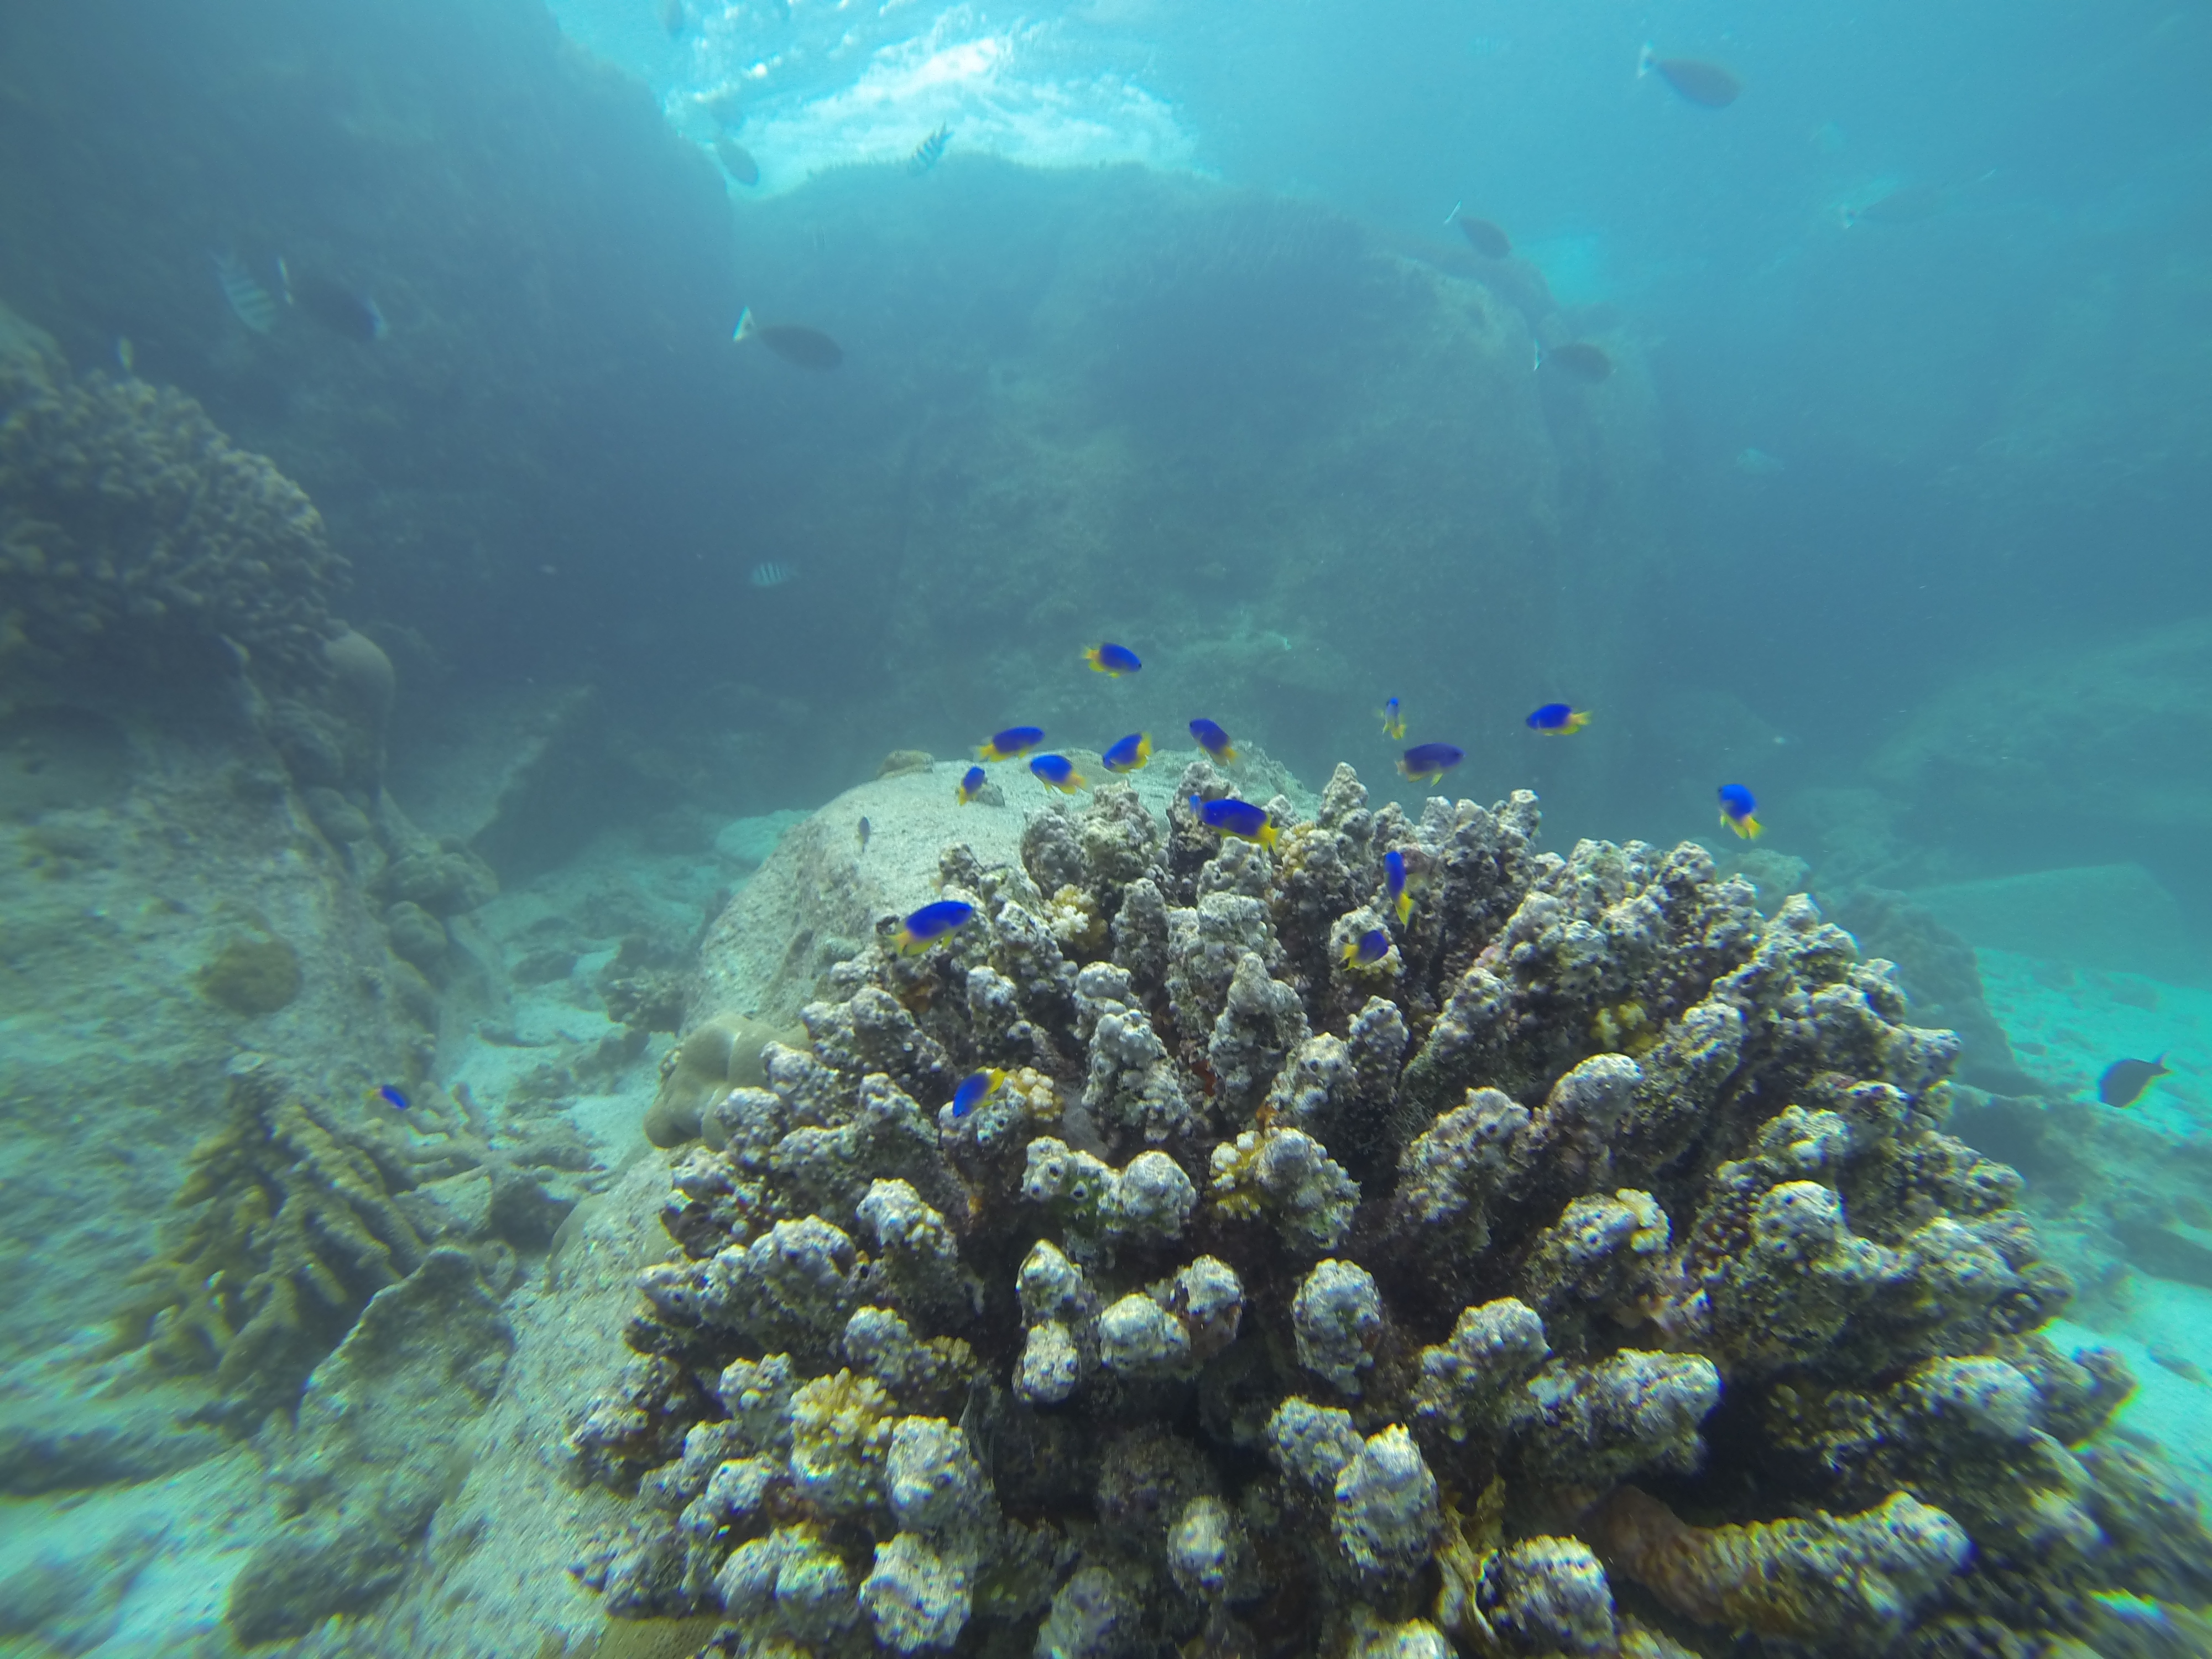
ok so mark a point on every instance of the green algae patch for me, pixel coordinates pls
(252, 975)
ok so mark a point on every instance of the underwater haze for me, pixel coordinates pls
(1099, 829)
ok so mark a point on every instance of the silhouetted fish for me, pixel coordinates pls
(671, 13)
(1701, 82)
(927, 152)
(726, 107)
(1482, 236)
(2125, 1080)
(1904, 205)
(737, 159)
(335, 306)
(1578, 358)
(809, 348)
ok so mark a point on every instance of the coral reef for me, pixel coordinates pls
(133, 533)
(1277, 1303)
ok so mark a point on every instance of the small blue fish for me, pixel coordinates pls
(1370, 948)
(392, 1097)
(1736, 809)
(971, 784)
(1393, 720)
(1130, 754)
(1013, 742)
(1400, 880)
(932, 923)
(1424, 762)
(1558, 720)
(1215, 741)
(1058, 772)
(1113, 660)
(1239, 818)
(974, 1089)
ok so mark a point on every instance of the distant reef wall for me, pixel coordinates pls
(1300, 471)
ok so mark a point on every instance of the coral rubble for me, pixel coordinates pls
(300, 1216)
(1593, 1276)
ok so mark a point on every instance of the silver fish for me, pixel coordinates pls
(248, 299)
(927, 152)
(768, 574)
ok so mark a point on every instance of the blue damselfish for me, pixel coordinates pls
(1057, 772)
(974, 1089)
(1115, 659)
(971, 784)
(1129, 754)
(1370, 948)
(1212, 739)
(1737, 807)
(1010, 743)
(1556, 720)
(1239, 818)
(1424, 762)
(934, 923)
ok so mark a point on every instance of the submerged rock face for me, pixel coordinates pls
(1278, 1301)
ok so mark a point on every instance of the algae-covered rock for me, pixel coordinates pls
(252, 975)
(379, 1445)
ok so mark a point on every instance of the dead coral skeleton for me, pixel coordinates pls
(1206, 1333)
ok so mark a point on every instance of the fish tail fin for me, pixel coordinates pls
(1405, 907)
(746, 327)
(1537, 360)
(1454, 214)
(1645, 60)
(1267, 836)
(1747, 827)
(1578, 720)
(284, 280)
(1229, 754)
(1096, 656)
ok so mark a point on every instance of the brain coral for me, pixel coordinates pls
(133, 533)
(1282, 1303)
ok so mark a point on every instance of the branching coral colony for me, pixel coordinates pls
(1281, 1305)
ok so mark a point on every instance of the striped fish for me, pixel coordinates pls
(248, 299)
(769, 573)
(927, 152)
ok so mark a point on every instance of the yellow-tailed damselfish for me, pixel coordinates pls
(934, 923)
(1370, 948)
(1239, 818)
(1557, 719)
(1011, 744)
(1115, 659)
(1212, 739)
(974, 1089)
(1058, 772)
(1129, 754)
(971, 784)
(1737, 808)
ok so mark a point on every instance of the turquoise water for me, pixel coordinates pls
(447, 661)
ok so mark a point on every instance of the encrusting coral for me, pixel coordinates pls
(1436, 1304)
